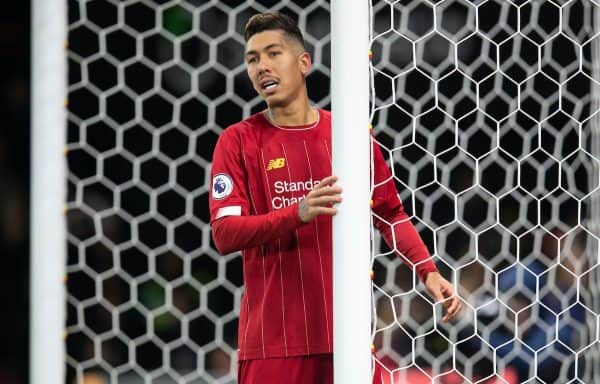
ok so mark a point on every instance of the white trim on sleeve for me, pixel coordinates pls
(235, 210)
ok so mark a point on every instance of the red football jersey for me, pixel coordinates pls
(259, 168)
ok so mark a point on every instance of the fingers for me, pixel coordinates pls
(452, 309)
(327, 191)
(327, 181)
(438, 296)
(324, 200)
(320, 200)
(435, 286)
(326, 211)
(456, 310)
(451, 302)
(321, 209)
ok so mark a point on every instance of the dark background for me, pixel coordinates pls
(14, 190)
(14, 168)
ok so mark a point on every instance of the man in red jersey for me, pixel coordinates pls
(273, 198)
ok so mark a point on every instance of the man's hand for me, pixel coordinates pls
(443, 292)
(320, 200)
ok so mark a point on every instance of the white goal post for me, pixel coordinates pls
(351, 226)
(48, 191)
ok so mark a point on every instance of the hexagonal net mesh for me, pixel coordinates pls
(486, 111)
(151, 86)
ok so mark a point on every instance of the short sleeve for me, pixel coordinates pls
(385, 195)
(229, 181)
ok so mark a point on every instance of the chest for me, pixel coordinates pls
(284, 167)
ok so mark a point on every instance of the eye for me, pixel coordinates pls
(274, 53)
(251, 60)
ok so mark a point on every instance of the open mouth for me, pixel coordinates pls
(269, 85)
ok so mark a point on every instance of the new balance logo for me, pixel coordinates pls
(276, 164)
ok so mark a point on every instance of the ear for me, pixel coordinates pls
(305, 62)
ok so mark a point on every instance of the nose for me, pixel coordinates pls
(263, 67)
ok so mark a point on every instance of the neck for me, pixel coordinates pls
(297, 113)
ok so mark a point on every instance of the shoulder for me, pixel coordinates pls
(325, 123)
(246, 127)
(242, 130)
(325, 114)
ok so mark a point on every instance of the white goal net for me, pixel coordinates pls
(487, 113)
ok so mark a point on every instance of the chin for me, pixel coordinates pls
(280, 99)
(274, 102)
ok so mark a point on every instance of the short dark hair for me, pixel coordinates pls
(271, 21)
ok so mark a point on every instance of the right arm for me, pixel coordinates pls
(233, 227)
(234, 233)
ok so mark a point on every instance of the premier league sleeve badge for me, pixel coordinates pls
(222, 186)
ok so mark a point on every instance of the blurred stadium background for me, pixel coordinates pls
(14, 191)
(151, 86)
(495, 152)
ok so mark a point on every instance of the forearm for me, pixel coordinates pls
(403, 237)
(234, 233)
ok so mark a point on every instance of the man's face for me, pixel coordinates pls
(276, 66)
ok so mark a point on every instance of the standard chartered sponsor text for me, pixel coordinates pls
(281, 187)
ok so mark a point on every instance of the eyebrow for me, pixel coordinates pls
(274, 45)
